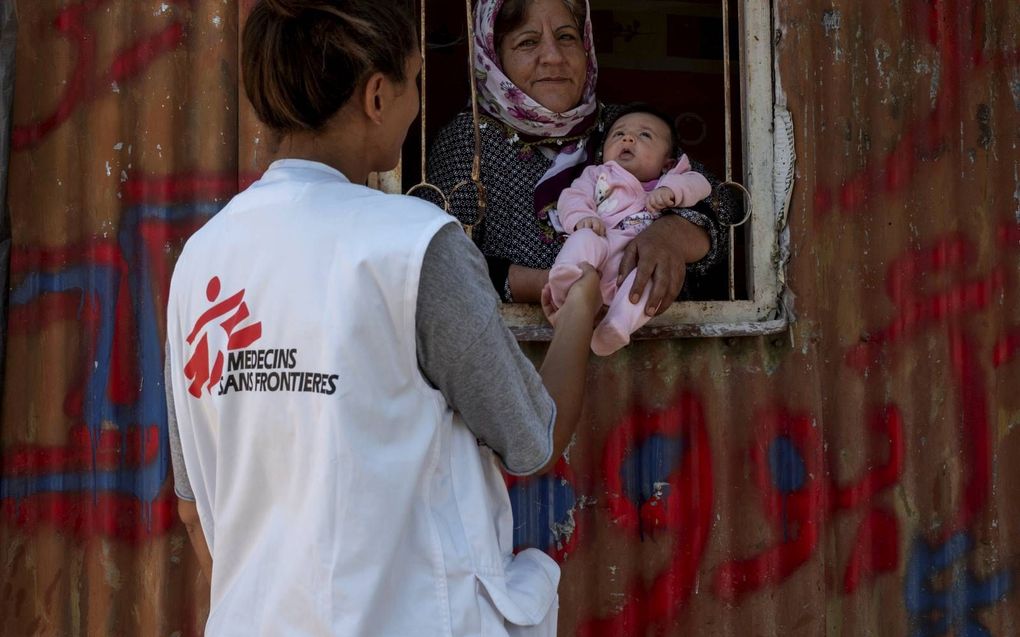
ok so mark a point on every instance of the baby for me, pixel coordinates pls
(610, 203)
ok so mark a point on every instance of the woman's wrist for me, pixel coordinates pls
(693, 242)
(525, 284)
(580, 306)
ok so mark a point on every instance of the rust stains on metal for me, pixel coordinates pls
(852, 481)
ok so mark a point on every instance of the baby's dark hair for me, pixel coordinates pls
(648, 109)
(302, 60)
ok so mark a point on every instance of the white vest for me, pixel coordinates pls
(337, 491)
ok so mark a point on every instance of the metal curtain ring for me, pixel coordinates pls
(427, 186)
(747, 201)
(479, 189)
(469, 228)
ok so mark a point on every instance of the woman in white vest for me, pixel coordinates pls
(335, 356)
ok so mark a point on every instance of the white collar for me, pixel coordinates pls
(304, 165)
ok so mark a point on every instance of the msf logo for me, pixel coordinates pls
(198, 369)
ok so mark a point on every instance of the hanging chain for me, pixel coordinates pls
(728, 128)
(476, 163)
(424, 184)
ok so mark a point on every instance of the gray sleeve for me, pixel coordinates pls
(466, 352)
(182, 486)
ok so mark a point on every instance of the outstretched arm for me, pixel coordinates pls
(466, 352)
(566, 361)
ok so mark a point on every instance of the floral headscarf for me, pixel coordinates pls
(502, 99)
(533, 123)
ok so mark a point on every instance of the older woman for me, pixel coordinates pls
(536, 72)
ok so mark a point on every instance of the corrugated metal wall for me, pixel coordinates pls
(850, 478)
(8, 42)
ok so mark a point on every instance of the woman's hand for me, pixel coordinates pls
(585, 295)
(660, 253)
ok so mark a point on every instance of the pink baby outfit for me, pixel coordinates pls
(614, 195)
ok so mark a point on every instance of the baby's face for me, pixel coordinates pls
(641, 144)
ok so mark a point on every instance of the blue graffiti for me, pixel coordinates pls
(788, 473)
(645, 472)
(786, 465)
(543, 510)
(100, 284)
(954, 606)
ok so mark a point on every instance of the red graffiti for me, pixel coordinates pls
(115, 449)
(1007, 347)
(83, 84)
(109, 478)
(973, 428)
(666, 511)
(961, 53)
(170, 189)
(686, 512)
(950, 255)
(919, 308)
(875, 549)
(120, 516)
(75, 304)
(799, 497)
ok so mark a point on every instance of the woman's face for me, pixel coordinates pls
(545, 56)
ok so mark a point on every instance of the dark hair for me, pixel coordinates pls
(302, 60)
(648, 109)
(513, 12)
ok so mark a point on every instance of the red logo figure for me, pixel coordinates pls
(197, 369)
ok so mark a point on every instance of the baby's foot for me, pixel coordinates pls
(607, 339)
(561, 277)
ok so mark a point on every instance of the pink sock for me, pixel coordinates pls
(608, 338)
(561, 277)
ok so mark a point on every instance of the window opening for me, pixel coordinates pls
(673, 54)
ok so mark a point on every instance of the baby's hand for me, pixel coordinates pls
(594, 224)
(661, 197)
